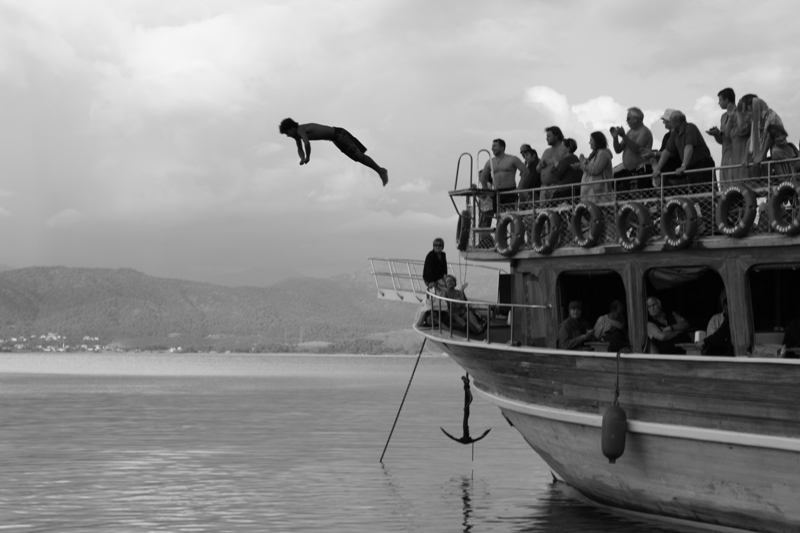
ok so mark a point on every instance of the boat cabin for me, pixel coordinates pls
(685, 244)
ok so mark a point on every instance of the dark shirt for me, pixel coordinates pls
(791, 338)
(435, 268)
(689, 136)
(565, 174)
(570, 330)
(719, 342)
(670, 346)
(534, 180)
(674, 161)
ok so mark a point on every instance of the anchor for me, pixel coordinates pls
(466, 439)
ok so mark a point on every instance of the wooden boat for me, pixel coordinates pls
(711, 441)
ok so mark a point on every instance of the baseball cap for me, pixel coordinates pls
(667, 114)
(525, 148)
(575, 304)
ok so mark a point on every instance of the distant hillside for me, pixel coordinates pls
(133, 309)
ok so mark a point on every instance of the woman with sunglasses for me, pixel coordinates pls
(435, 269)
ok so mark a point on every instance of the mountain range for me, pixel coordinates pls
(128, 309)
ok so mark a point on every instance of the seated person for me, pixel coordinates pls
(782, 150)
(791, 339)
(665, 330)
(574, 331)
(610, 328)
(717, 319)
(719, 342)
(461, 318)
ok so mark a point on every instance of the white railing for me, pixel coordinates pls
(401, 279)
(483, 309)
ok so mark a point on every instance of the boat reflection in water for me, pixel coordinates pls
(711, 441)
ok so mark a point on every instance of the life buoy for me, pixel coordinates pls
(462, 230)
(778, 215)
(544, 244)
(633, 237)
(595, 231)
(679, 232)
(730, 198)
(505, 247)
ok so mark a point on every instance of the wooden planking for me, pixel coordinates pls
(565, 381)
(734, 486)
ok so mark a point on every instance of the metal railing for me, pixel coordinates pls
(453, 306)
(706, 196)
(401, 279)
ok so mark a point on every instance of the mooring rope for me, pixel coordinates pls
(404, 398)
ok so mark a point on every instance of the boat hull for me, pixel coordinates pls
(714, 468)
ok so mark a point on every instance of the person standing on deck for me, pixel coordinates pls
(344, 141)
(633, 145)
(434, 270)
(673, 161)
(534, 180)
(687, 142)
(555, 152)
(502, 171)
(724, 134)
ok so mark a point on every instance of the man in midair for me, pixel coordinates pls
(344, 141)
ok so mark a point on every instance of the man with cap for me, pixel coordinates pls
(533, 180)
(687, 142)
(574, 331)
(673, 162)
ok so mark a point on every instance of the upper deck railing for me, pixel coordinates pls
(739, 207)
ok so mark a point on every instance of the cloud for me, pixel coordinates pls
(599, 113)
(417, 185)
(65, 218)
(550, 102)
(5, 213)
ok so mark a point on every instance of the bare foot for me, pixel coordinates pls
(384, 174)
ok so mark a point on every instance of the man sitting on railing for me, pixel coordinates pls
(574, 331)
(687, 142)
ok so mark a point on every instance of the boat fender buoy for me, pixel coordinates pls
(778, 213)
(546, 243)
(633, 237)
(462, 230)
(615, 428)
(734, 194)
(595, 230)
(504, 247)
(669, 223)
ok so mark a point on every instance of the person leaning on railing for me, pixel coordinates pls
(462, 318)
(687, 142)
(781, 150)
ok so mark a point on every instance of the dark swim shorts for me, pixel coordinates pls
(348, 145)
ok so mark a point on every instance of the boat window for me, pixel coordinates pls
(596, 289)
(773, 299)
(692, 292)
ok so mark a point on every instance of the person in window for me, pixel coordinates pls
(665, 330)
(719, 318)
(574, 331)
(718, 341)
(610, 328)
(791, 339)
(435, 268)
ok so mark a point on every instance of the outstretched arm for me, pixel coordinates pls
(304, 137)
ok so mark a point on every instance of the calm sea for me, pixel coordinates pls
(195, 443)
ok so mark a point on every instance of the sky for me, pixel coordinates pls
(144, 134)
